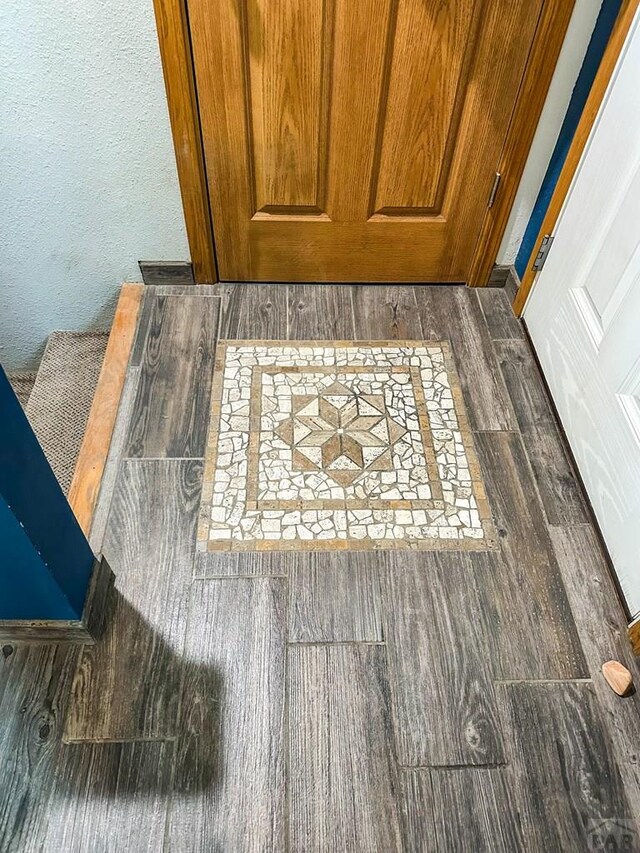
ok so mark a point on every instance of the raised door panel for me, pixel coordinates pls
(429, 62)
(286, 43)
(358, 78)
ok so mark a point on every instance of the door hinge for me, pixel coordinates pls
(541, 257)
(494, 189)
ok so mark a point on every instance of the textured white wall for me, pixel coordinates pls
(88, 182)
(573, 50)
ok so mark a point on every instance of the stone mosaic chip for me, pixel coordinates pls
(321, 445)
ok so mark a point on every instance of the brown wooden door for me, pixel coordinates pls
(354, 140)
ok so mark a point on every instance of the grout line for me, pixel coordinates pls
(169, 799)
(167, 739)
(385, 607)
(183, 295)
(162, 459)
(235, 577)
(287, 301)
(354, 325)
(418, 313)
(286, 723)
(424, 767)
(496, 431)
(183, 666)
(221, 310)
(482, 311)
(174, 758)
(312, 643)
(508, 681)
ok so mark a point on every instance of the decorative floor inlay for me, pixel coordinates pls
(320, 445)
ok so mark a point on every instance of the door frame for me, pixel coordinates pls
(592, 106)
(172, 24)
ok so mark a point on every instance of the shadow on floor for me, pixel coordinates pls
(52, 783)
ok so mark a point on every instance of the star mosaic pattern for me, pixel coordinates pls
(340, 431)
(350, 445)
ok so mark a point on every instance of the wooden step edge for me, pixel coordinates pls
(94, 449)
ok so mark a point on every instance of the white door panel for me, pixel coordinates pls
(584, 318)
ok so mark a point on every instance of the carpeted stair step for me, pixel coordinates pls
(59, 403)
(22, 384)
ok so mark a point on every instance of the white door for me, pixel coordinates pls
(584, 318)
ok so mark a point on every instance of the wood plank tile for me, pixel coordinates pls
(562, 773)
(110, 797)
(257, 311)
(342, 775)
(603, 632)
(228, 791)
(171, 412)
(473, 810)
(560, 492)
(467, 808)
(537, 637)
(222, 564)
(335, 597)
(320, 312)
(35, 683)
(127, 685)
(438, 650)
(498, 313)
(147, 304)
(416, 802)
(385, 312)
(453, 313)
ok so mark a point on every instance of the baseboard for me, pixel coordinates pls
(505, 275)
(86, 630)
(167, 272)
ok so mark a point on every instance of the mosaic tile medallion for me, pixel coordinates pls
(321, 445)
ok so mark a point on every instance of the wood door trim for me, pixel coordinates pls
(541, 64)
(177, 65)
(596, 95)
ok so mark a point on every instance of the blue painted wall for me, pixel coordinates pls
(45, 559)
(599, 38)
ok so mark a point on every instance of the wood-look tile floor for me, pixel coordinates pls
(320, 700)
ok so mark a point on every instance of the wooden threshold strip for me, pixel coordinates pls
(92, 458)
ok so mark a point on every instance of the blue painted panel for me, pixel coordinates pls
(28, 590)
(597, 44)
(32, 494)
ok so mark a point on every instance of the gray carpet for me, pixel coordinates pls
(62, 395)
(22, 384)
